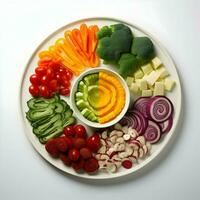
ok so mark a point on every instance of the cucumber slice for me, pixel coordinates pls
(41, 121)
(42, 128)
(69, 121)
(67, 114)
(36, 105)
(55, 133)
(59, 108)
(66, 106)
(38, 114)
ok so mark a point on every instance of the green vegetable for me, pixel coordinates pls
(113, 41)
(128, 64)
(104, 32)
(143, 49)
(48, 117)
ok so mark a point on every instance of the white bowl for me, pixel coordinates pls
(78, 113)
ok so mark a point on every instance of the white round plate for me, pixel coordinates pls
(175, 97)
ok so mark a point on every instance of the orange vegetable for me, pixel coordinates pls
(76, 50)
(84, 36)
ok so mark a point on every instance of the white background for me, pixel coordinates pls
(24, 174)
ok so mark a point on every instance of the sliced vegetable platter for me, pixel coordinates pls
(62, 109)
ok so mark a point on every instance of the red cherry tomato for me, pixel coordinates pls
(65, 159)
(85, 153)
(62, 144)
(91, 165)
(35, 79)
(73, 154)
(44, 91)
(69, 142)
(50, 73)
(66, 83)
(40, 71)
(53, 85)
(78, 165)
(68, 75)
(80, 131)
(64, 91)
(62, 71)
(93, 142)
(34, 90)
(44, 80)
(54, 65)
(79, 143)
(69, 131)
(58, 78)
(51, 148)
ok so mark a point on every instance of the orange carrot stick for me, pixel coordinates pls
(84, 36)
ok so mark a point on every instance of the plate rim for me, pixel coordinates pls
(157, 152)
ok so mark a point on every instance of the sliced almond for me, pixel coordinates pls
(134, 146)
(123, 154)
(141, 139)
(109, 143)
(121, 147)
(145, 149)
(113, 139)
(104, 157)
(110, 151)
(112, 133)
(116, 158)
(119, 133)
(102, 149)
(116, 146)
(148, 144)
(98, 156)
(111, 167)
(104, 135)
(102, 164)
(118, 126)
(135, 153)
(133, 159)
(125, 129)
(103, 142)
(120, 140)
(118, 164)
(141, 152)
(129, 150)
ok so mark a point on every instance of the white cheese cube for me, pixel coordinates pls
(147, 69)
(152, 77)
(134, 88)
(156, 62)
(146, 93)
(137, 81)
(129, 80)
(169, 84)
(163, 72)
(158, 89)
(143, 85)
(138, 74)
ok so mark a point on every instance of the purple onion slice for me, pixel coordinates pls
(159, 109)
(139, 122)
(153, 132)
(141, 105)
(166, 125)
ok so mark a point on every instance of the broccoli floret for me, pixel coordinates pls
(143, 49)
(105, 31)
(110, 47)
(128, 64)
